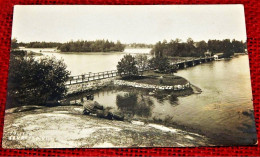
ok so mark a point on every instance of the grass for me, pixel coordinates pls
(150, 77)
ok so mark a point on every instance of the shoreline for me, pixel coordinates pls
(94, 132)
(177, 90)
(30, 115)
(195, 89)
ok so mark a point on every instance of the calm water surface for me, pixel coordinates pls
(223, 111)
(79, 63)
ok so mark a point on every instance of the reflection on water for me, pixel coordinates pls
(224, 108)
(131, 104)
(138, 103)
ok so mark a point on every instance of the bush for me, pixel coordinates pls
(35, 82)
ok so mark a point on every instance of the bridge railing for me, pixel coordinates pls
(91, 77)
(112, 73)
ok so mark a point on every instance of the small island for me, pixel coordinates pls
(76, 46)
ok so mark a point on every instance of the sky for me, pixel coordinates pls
(128, 23)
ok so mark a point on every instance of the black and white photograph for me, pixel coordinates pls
(109, 76)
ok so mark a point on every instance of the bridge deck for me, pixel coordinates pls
(113, 73)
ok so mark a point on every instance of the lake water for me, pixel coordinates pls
(225, 108)
(79, 63)
(223, 111)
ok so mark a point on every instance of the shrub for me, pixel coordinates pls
(35, 82)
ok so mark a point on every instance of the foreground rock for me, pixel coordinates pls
(66, 127)
(94, 108)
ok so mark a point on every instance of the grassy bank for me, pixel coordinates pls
(151, 77)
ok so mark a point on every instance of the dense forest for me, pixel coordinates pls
(37, 44)
(161, 48)
(197, 49)
(77, 46)
(91, 46)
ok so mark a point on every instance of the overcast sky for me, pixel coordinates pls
(143, 24)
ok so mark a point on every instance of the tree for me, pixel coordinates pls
(35, 82)
(158, 49)
(202, 47)
(227, 46)
(141, 61)
(14, 44)
(238, 46)
(215, 46)
(161, 64)
(127, 66)
(190, 48)
(91, 46)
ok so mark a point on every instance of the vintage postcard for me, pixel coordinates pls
(90, 76)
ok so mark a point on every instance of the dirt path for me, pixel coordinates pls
(66, 127)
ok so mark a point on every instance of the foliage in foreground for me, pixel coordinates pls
(35, 82)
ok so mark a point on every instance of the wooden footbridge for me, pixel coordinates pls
(193, 62)
(113, 73)
(91, 77)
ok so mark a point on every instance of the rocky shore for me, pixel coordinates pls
(150, 86)
(99, 84)
(66, 127)
(76, 127)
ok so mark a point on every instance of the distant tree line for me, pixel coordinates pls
(140, 45)
(91, 46)
(197, 49)
(37, 44)
(75, 46)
